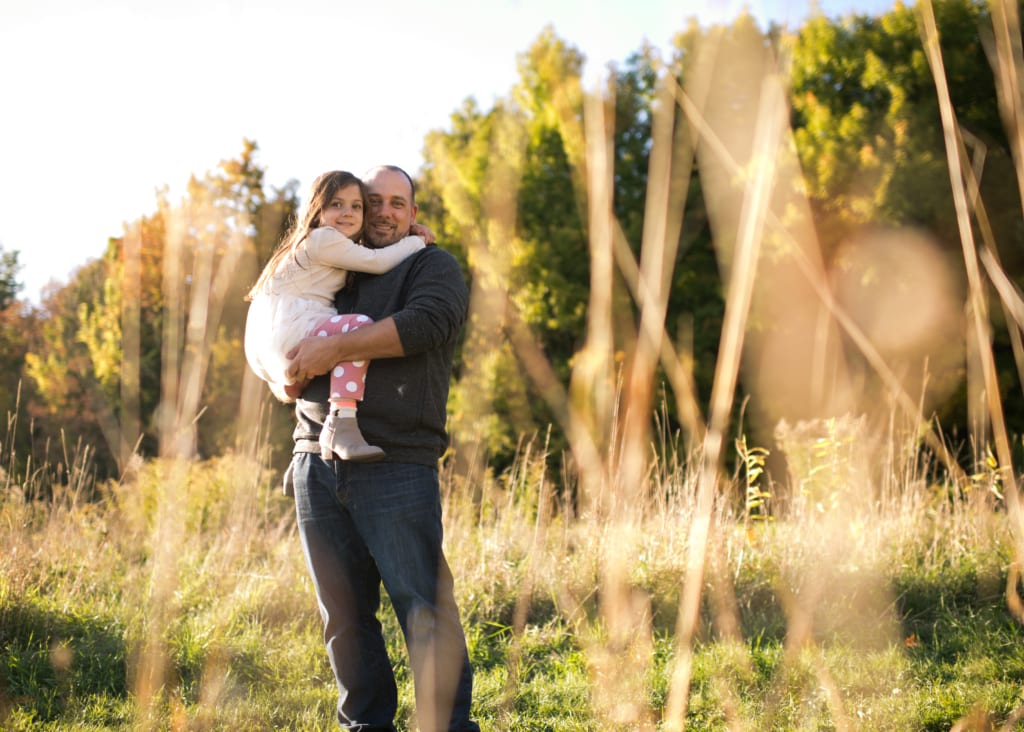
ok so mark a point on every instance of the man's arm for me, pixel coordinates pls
(317, 355)
(433, 313)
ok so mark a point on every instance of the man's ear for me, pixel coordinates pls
(415, 209)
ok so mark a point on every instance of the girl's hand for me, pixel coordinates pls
(294, 391)
(423, 232)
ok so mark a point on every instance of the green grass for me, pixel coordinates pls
(905, 625)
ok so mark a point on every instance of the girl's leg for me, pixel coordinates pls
(349, 377)
(341, 436)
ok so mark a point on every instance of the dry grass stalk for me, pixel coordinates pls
(977, 300)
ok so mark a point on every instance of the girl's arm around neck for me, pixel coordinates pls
(330, 247)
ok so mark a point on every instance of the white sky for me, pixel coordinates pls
(102, 102)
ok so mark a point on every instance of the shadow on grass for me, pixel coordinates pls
(46, 656)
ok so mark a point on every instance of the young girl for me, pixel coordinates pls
(294, 298)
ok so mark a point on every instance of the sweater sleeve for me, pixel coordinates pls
(438, 301)
(330, 247)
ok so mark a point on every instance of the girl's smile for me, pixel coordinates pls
(344, 212)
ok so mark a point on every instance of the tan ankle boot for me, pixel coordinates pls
(341, 438)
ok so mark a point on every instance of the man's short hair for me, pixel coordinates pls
(396, 169)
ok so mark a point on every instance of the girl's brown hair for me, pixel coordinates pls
(321, 193)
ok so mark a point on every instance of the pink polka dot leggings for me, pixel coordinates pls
(348, 378)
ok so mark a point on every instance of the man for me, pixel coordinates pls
(362, 524)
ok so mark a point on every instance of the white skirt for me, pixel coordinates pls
(274, 326)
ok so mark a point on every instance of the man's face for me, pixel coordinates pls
(391, 211)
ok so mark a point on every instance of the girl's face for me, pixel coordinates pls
(344, 212)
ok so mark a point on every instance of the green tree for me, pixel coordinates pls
(869, 138)
(489, 399)
(501, 184)
(867, 124)
(10, 285)
(511, 185)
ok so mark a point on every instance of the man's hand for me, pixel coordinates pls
(313, 356)
(317, 355)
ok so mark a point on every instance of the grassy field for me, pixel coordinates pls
(652, 586)
(177, 599)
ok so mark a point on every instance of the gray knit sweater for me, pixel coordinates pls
(404, 409)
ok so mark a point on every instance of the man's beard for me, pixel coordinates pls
(379, 240)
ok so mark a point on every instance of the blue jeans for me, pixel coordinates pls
(362, 524)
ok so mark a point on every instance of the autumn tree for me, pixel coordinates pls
(144, 344)
(70, 405)
(16, 323)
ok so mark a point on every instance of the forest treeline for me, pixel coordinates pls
(140, 352)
